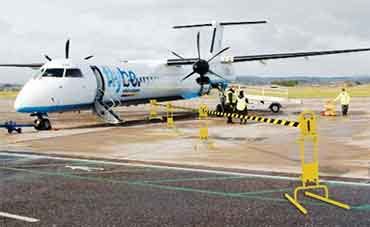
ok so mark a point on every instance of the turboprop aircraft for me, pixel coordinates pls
(61, 85)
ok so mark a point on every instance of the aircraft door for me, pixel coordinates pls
(100, 82)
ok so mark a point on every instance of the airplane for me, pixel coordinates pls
(62, 85)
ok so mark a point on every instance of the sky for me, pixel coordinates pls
(114, 30)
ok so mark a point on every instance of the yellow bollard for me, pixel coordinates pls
(153, 113)
(310, 170)
(170, 121)
(203, 117)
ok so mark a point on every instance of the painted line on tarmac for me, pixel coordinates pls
(225, 194)
(174, 180)
(246, 195)
(158, 186)
(362, 207)
(263, 176)
(18, 217)
(266, 191)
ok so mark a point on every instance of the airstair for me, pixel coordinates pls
(104, 111)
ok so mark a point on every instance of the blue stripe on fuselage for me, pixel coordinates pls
(190, 95)
(50, 109)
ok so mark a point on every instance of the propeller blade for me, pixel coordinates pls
(220, 52)
(188, 76)
(198, 44)
(215, 74)
(213, 40)
(88, 57)
(177, 55)
(67, 49)
(47, 57)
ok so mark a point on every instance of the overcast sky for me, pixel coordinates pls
(141, 29)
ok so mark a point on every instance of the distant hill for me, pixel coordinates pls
(10, 87)
(303, 80)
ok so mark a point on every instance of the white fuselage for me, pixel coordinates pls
(126, 84)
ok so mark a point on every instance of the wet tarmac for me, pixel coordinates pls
(80, 192)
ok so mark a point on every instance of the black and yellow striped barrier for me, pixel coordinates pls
(256, 118)
(294, 124)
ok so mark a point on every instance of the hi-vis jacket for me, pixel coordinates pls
(344, 98)
(231, 98)
(241, 104)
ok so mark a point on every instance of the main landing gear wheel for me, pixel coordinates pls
(42, 124)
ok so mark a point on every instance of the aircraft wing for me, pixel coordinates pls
(32, 65)
(262, 57)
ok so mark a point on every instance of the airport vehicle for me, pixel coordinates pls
(268, 98)
(61, 85)
(12, 126)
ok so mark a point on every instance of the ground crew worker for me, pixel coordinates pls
(344, 100)
(241, 106)
(222, 97)
(231, 100)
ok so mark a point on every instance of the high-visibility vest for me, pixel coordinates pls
(231, 98)
(344, 98)
(241, 104)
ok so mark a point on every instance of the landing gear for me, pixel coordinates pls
(41, 123)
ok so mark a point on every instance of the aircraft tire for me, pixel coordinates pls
(42, 124)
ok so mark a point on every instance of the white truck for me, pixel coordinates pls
(270, 98)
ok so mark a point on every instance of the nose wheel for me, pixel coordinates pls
(41, 123)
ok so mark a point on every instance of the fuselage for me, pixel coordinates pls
(61, 86)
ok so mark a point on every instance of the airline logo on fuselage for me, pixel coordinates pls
(121, 80)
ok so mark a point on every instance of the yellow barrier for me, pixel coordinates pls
(255, 118)
(203, 117)
(310, 170)
(153, 113)
(170, 121)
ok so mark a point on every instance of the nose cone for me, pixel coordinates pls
(24, 101)
(20, 104)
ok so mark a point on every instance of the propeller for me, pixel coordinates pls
(47, 57)
(67, 53)
(202, 67)
(67, 49)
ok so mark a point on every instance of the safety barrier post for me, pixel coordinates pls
(310, 169)
(170, 121)
(203, 117)
(153, 113)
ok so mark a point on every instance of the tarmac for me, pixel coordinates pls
(344, 142)
(57, 191)
(140, 173)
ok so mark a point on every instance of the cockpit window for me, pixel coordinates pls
(75, 73)
(38, 73)
(53, 73)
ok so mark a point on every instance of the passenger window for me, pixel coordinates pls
(53, 73)
(75, 73)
